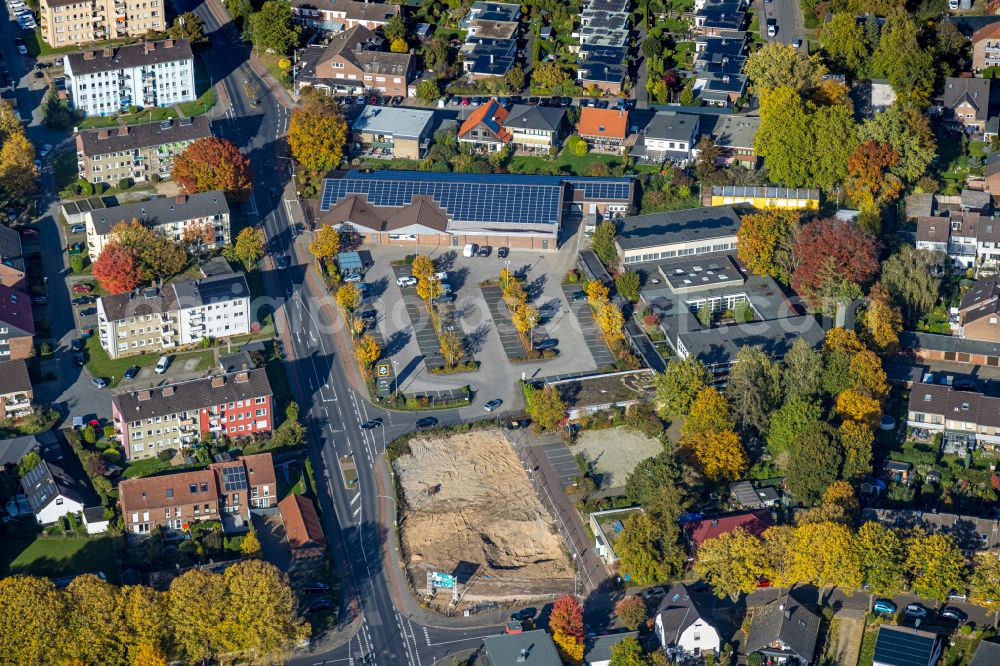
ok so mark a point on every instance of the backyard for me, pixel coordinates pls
(57, 556)
(567, 159)
(100, 365)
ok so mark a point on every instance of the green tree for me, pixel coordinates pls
(882, 558)
(783, 137)
(631, 612)
(907, 131)
(814, 464)
(935, 564)
(628, 652)
(900, 58)
(678, 385)
(628, 284)
(650, 475)
(429, 90)
(603, 243)
(641, 555)
(272, 30)
(844, 42)
(550, 76)
(395, 28)
(754, 388)
(188, 26)
(731, 563)
(30, 461)
(796, 415)
(545, 406)
(912, 283)
(249, 246)
(778, 65)
(834, 136)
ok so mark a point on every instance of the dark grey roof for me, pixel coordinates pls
(987, 289)
(979, 93)
(678, 226)
(536, 647)
(193, 394)
(164, 210)
(48, 481)
(490, 56)
(147, 135)
(598, 648)
(14, 377)
(215, 289)
(987, 654)
(93, 514)
(671, 126)
(130, 55)
(678, 611)
(132, 304)
(544, 118)
(12, 450)
(896, 646)
(81, 206)
(719, 346)
(786, 620)
(10, 247)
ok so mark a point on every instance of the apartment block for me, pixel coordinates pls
(199, 221)
(986, 47)
(170, 417)
(178, 315)
(139, 151)
(68, 22)
(115, 79)
(353, 62)
(226, 491)
(964, 419)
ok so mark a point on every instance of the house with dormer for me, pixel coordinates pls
(968, 103)
(484, 128)
(684, 622)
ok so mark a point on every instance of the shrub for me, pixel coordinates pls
(86, 189)
(77, 263)
(109, 432)
(165, 456)
(124, 183)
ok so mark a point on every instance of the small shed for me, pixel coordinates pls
(422, 31)
(545, 33)
(349, 263)
(95, 520)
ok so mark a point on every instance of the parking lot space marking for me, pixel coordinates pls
(562, 461)
(595, 341)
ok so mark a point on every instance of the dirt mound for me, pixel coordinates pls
(468, 501)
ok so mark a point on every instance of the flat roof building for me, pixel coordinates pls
(393, 132)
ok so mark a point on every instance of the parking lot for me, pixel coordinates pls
(412, 344)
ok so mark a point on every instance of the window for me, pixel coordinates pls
(193, 488)
(170, 492)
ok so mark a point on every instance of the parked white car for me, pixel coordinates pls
(406, 281)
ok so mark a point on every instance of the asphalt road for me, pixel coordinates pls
(787, 15)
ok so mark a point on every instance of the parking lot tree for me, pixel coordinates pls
(368, 352)
(835, 259)
(188, 26)
(325, 243)
(545, 406)
(317, 132)
(642, 556)
(792, 419)
(678, 385)
(30, 611)
(117, 268)
(882, 557)
(814, 463)
(777, 65)
(525, 318)
(611, 321)
(272, 30)
(422, 267)
(731, 563)
(429, 288)
(764, 242)
(349, 296)
(909, 277)
(883, 320)
(784, 136)
(856, 440)
(214, 163)
(631, 611)
(984, 583)
(754, 388)
(603, 243)
(452, 348)
(935, 565)
(597, 292)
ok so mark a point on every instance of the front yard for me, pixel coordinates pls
(100, 365)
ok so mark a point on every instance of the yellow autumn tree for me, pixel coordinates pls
(839, 339)
(984, 585)
(856, 440)
(709, 411)
(883, 320)
(317, 132)
(719, 452)
(429, 288)
(731, 563)
(611, 321)
(570, 649)
(349, 296)
(325, 243)
(867, 375)
(823, 554)
(597, 292)
(149, 655)
(30, 609)
(422, 267)
(250, 548)
(859, 407)
(525, 317)
(367, 352)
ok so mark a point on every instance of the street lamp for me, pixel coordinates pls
(395, 508)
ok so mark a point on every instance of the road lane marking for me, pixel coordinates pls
(461, 640)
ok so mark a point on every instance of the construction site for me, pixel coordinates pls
(473, 530)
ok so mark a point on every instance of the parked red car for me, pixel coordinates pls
(82, 288)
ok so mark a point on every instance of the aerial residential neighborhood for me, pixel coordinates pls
(564, 332)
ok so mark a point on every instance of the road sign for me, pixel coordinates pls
(383, 369)
(437, 579)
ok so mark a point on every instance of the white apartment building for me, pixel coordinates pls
(178, 315)
(115, 79)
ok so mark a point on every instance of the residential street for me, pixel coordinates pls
(788, 16)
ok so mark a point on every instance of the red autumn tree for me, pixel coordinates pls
(567, 617)
(834, 258)
(117, 268)
(214, 163)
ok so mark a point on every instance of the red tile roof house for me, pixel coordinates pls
(484, 129)
(226, 491)
(700, 531)
(604, 130)
(303, 527)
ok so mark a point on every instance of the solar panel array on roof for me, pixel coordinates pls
(602, 190)
(903, 647)
(234, 478)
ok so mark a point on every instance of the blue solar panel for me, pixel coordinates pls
(483, 198)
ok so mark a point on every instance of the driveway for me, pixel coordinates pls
(274, 546)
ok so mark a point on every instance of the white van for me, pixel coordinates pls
(162, 365)
(470, 250)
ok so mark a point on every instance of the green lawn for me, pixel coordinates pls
(576, 164)
(147, 467)
(65, 169)
(58, 557)
(867, 652)
(37, 47)
(100, 365)
(296, 482)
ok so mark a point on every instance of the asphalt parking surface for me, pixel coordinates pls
(562, 461)
(595, 341)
